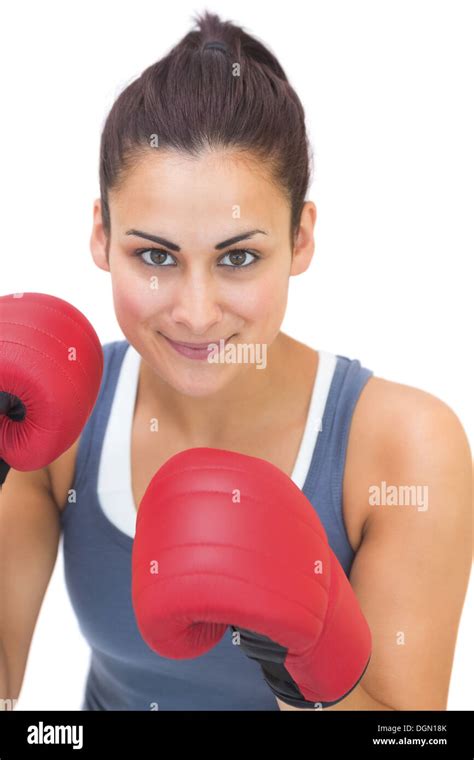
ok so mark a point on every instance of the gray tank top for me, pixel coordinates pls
(98, 529)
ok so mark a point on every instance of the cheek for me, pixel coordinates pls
(261, 300)
(136, 299)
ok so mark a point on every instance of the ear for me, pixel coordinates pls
(304, 246)
(99, 241)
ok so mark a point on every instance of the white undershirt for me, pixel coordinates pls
(115, 476)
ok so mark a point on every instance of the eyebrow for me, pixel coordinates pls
(175, 247)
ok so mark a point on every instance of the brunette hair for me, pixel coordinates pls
(233, 96)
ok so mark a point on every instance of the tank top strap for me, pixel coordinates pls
(324, 482)
(93, 432)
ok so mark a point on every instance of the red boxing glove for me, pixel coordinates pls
(51, 364)
(223, 538)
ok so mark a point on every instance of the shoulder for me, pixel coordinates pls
(398, 432)
(402, 420)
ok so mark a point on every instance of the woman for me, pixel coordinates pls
(204, 169)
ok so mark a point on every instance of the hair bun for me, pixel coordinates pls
(215, 45)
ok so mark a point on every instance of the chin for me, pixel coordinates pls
(195, 384)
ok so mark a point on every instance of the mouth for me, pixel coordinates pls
(199, 351)
(192, 345)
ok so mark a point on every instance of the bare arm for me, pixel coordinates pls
(29, 538)
(412, 568)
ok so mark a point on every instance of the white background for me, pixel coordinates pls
(387, 89)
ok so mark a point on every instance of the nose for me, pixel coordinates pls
(196, 304)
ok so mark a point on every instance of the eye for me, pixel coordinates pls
(153, 252)
(237, 262)
(158, 258)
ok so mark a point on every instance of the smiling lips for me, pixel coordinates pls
(198, 351)
(193, 345)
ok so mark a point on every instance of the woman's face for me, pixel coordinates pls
(195, 285)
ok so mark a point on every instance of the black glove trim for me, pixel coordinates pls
(4, 470)
(285, 696)
(271, 655)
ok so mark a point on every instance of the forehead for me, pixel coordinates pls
(179, 188)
